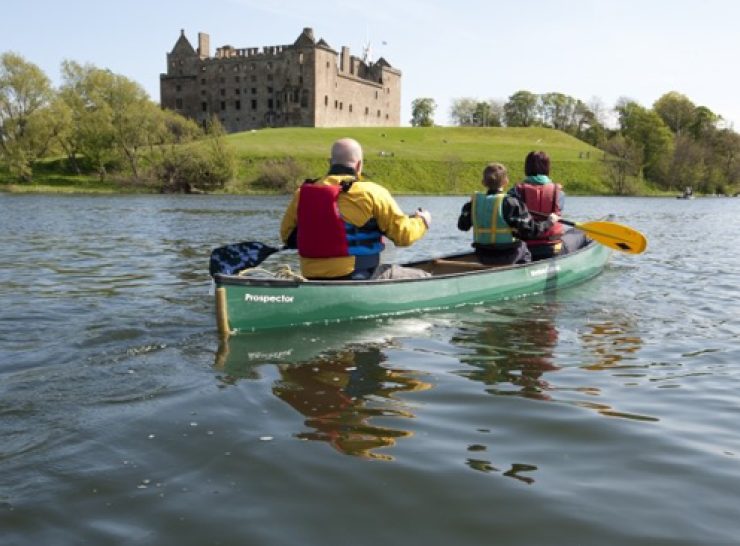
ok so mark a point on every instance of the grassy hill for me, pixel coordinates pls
(415, 159)
(431, 160)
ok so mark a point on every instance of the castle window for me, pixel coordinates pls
(222, 80)
(253, 79)
(269, 65)
(202, 68)
(269, 77)
(269, 90)
(223, 92)
(223, 105)
(202, 81)
(300, 80)
(304, 98)
(300, 58)
(296, 96)
(238, 91)
(376, 94)
(386, 116)
(238, 105)
(341, 106)
(204, 106)
(326, 100)
(221, 68)
(278, 104)
(236, 79)
(350, 108)
(178, 104)
(178, 88)
(254, 90)
(367, 110)
(378, 113)
(327, 64)
(202, 91)
(270, 104)
(336, 104)
(252, 66)
(254, 105)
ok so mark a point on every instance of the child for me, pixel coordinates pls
(499, 220)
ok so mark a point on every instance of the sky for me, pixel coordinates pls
(486, 49)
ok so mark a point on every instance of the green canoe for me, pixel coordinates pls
(249, 303)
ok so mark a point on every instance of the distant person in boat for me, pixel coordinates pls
(499, 221)
(542, 196)
(338, 222)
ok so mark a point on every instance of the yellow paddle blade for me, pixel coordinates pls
(616, 236)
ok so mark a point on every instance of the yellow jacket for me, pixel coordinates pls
(363, 202)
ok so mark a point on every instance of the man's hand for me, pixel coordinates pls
(553, 218)
(425, 215)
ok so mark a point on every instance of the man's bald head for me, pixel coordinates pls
(347, 152)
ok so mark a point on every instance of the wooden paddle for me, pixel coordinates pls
(616, 236)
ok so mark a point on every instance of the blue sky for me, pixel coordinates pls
(485, 49)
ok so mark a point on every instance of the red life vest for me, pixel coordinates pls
(321, 233)
(544, 200)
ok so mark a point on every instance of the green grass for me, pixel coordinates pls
(425, 160)
(430, 160)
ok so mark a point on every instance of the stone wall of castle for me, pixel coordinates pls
(306, 84)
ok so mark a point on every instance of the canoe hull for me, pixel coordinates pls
(248, 304)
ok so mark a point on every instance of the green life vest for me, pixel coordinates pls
(489, 227)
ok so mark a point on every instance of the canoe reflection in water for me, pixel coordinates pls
(339, 396)
(512, 351)
(339, 393)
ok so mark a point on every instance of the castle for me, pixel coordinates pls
(306, 84)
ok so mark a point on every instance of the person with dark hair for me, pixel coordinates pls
(543, 197)
(499, 221)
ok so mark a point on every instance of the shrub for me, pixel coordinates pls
(283, 175)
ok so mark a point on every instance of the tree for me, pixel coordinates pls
(462, 111)
(623, 163)
(521, 109)
(688, 164)
(422, 112)
(646, 128)
(676, 111)
(704, 123)
(489, 113)
(725, 145)
(24, 93)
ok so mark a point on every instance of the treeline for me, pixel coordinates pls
(103, 124)
(672, 145)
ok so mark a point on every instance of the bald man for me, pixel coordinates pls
(338, 222)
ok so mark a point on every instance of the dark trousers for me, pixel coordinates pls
(573, 239)
(520, 254)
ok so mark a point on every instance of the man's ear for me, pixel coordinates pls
(358, 167)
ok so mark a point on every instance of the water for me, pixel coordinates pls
(603, 414)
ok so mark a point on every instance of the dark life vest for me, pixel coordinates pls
(322, 233)
(544, 200)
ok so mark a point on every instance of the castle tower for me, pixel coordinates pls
(303, 84)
